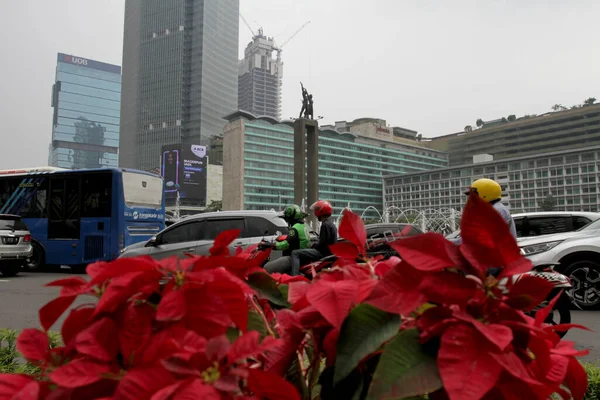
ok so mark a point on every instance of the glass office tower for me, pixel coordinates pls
(180, 65)
(86, 98)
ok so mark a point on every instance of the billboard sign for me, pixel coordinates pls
(183, 168)
(84, 62)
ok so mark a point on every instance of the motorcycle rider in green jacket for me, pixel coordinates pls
(297, 238)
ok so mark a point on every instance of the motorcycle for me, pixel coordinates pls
(562, 308)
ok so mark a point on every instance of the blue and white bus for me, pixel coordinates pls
(80, 216)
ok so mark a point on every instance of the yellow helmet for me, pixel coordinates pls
(488, 189)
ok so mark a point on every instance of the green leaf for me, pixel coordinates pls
(404, 370)
(266, 286)
(364, 330)
(232, 334)
(256, 323)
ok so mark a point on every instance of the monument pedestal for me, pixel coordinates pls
(306, 164)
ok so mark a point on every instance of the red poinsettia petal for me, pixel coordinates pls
(99, 340)
(123, 287)
(245, 346)
(270, 386)
(449, 288)
(520, 266)
(397, 292)
(135, 331)
(205, 314)
(567, 348)
(78, 373)
(487, 236)
(142, 383)
(428, 252)
(345, 250)
(498, 335)
(76, 321)
(52, 311)
(217, 347)
(385, 266)
(576, 379)
(467, 369)
(163, 344)
(167, 393)
(172, 306)
(332, 299)
(32, 391)
(11, 384)
(528, 292)
(33, 344)
(103, 271)
(353, 229)
(197, 390)
(330, 346)
(70, 286)
(223, 240)
(232, 291)
(558, 370)
(541, 315)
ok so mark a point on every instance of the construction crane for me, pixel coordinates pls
(254, 35)
(279, 49)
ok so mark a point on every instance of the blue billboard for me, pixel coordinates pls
(84, 62)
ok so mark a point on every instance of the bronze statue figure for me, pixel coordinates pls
(307, 104)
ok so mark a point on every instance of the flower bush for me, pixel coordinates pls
(219, 327)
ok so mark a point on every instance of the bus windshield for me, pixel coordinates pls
(142, 190)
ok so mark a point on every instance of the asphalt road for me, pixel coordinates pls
(23, 295)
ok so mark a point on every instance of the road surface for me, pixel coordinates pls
(23, 295)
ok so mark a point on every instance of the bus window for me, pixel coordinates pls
(96, 190)
(37, 201)
(142, 190)
(64, 219)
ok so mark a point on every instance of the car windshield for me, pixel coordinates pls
(591, 226)
(12, 224)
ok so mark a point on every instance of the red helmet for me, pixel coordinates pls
(322, 208)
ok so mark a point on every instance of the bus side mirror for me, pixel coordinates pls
(153, 242)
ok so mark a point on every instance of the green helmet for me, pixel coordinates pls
(293, 213)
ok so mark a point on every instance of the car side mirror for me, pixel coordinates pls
(153, 242)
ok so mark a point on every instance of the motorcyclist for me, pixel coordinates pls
(328, 235)
(298, 237)
(490, 191)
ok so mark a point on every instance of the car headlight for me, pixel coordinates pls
(538, 248)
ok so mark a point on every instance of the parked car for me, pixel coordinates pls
(195, 234)
(547, 222)
(574, 254)
(379, 235)
(15, 244)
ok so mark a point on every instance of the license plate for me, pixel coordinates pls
(10, 240)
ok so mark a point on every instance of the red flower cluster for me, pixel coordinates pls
(160, 330)
(219, 327)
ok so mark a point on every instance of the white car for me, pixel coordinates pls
(575, 254)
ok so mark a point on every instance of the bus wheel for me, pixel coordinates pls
(78, 268)
(38, 259)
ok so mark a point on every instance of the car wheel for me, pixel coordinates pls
(37, 260)
(10, 269)
(585, 278)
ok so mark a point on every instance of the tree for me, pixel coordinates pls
(558, 107)
(215, 205)
(548, 204)
(479, 123)
(589, 102)
(468, 129)
(504, 119)
(512, 117)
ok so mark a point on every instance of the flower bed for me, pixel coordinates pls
(219, 327)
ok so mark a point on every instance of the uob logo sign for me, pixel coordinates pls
(199, 151)
(77, 60)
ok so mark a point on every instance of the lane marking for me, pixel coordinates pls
(4, 280)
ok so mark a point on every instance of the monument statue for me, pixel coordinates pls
(307, 104)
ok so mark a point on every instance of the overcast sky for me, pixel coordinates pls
(429, 65)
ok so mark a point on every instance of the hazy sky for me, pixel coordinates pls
(429, 65)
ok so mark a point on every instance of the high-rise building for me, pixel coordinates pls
(258, 162)
(525, 136)
(179, 75)
(86, 98)
(260, 74)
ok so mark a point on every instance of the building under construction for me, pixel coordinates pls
(261, 73)
(259, 81)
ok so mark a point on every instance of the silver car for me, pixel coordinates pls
(15, 244)
(196, 234)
